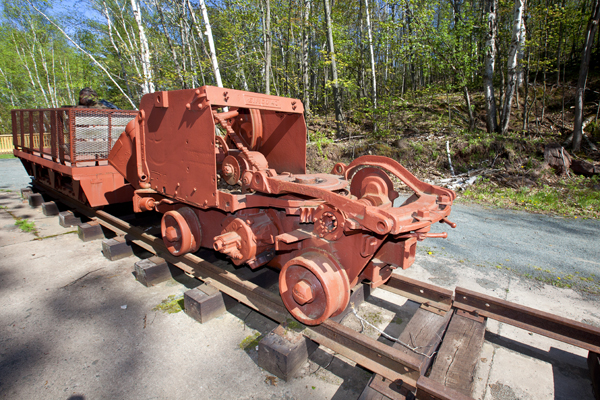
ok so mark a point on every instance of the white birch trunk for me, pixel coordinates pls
(305, 47)
(511, 65)
(211, 44)
(373, 77)
(87, 54)
(490, 61)
(268, 46)
(148, 86)
(583, 72)
(337, 97)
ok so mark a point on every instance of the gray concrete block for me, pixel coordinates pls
(282, 352)
(26, 192)
(67, 219)
(35, 200)
(152, 271)
(206, 302)
(116, 249)
(49, 208)
(90, 231)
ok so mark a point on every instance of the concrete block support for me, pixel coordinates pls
(282, 352)
(90, 231)
(206, 302)
(49, 208)
(67, 219)
(26, 192)
(35, 200)
(152, 271)
(116, 249)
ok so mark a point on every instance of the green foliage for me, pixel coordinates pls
(573, 197)
(171, 305)
(26, 225)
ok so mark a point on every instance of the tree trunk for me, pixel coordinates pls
(337, 96)
(305, 50)
(169, 43)
(469, 109)
(211, 44)
(148, 86)
(511, 64)
(373, 77)
(592, 27)
(490, 60)
(268, 46)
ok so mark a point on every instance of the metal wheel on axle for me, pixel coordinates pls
(314, 287)
(181, 231)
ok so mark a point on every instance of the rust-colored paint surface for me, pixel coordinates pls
(227, 170)
(66, 149)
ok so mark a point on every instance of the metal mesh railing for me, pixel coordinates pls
(69, 134)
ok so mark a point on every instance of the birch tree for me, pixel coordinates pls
(511, 64)
(592, 27)
(490, 62)
(268, 46)
(211, 44)
(373, 75)
(148, 86)
(305, 50)
(337, 96)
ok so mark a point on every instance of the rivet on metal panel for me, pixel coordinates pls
(188, 106)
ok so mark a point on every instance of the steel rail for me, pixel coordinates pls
(371, 354)
(375, 356)
(550, 325)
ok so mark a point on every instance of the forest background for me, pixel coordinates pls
(446, 86)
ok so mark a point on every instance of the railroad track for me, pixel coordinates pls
(400, 370)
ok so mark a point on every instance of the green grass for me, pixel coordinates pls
(170, 305)
(570, 197)
(26, 225)
(250, 342)
(6, 156)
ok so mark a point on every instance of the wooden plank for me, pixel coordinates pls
(457, 358)
(423, 332)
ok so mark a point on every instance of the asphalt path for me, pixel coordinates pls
(534, 246)
(13, 175)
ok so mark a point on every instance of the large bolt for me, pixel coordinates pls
(303, 293)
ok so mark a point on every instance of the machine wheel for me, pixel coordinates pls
(314, 287)
(249, 127)
(181, 231)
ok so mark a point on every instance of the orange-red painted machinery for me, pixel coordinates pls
(227, 170)
(66, 150)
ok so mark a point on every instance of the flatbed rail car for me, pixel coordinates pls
(66, 150)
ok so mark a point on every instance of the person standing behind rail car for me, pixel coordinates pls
(89, 98)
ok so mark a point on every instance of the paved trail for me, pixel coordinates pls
(528, 244)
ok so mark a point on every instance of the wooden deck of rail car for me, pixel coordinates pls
(441, 342)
